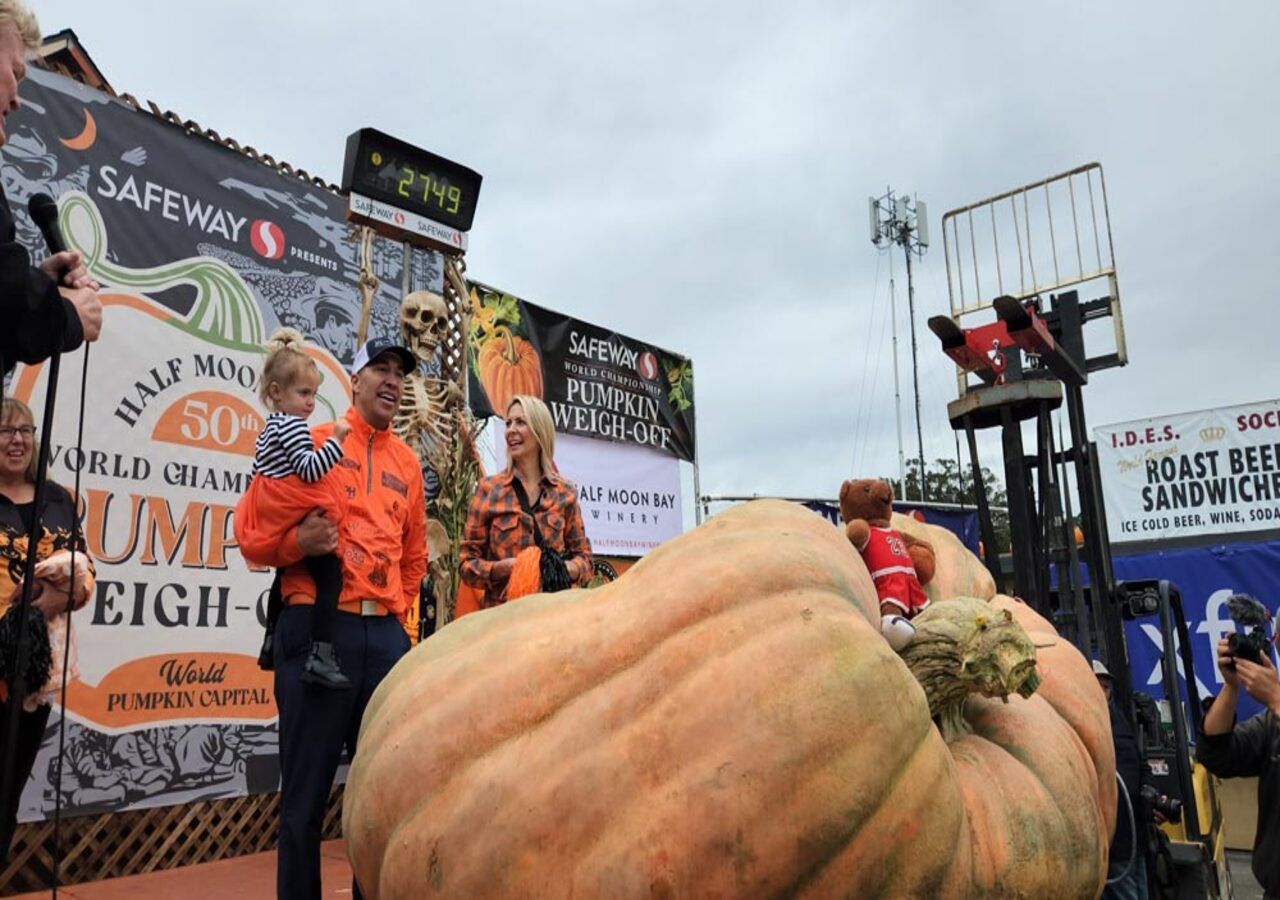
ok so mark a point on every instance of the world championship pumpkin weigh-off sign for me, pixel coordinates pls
(201, 252)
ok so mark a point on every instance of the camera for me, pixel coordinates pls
(1252, 643)
(1168, 806)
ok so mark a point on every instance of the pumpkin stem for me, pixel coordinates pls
(965, 646)
(509, 353)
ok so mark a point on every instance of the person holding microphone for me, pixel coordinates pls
(53, 307)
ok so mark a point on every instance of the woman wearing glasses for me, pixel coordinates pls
(55, 591)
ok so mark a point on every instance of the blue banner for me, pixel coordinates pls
(1206, 576)
(963, 523)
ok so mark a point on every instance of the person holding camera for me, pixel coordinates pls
(1250, 748)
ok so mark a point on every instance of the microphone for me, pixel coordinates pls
(44, 213)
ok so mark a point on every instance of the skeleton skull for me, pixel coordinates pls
(424, 320)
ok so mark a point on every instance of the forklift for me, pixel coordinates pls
(1017, 371)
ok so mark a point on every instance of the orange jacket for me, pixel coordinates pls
(383, 538)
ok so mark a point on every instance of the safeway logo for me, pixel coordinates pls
(647, 366)
(267, 239)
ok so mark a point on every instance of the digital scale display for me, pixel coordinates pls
(390, 171)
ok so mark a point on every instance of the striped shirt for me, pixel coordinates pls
(285, 448)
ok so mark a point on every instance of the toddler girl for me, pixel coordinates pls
(290, 479)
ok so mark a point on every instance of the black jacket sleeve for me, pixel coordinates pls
(37, 320)
(1239, 753)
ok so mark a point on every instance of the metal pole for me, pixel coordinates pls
(697, 490)
(915, 361)
(897, 393)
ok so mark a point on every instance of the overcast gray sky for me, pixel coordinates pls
(696, 175)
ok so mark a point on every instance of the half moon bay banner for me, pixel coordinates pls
(1211, 472)
(201, 252)
(597, 384)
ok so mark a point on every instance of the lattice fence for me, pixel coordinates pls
(131, 843)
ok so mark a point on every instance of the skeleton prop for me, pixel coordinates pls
(425, 418)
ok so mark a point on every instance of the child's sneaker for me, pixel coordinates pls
(266, 656)
(322, 668)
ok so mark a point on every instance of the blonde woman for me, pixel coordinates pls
(498, 525)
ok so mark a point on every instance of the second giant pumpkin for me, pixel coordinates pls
(725, 720)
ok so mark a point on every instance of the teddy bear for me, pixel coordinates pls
(899, 564)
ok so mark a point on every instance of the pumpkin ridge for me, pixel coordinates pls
(1069, 849)
(1071, 712)
(637, 715)
(878, 808)
(981, 755)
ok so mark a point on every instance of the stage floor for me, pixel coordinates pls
(245, 876)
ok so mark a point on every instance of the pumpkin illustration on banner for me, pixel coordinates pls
(504, 361)
(652, 738)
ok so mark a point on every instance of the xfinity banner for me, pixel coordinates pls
(201, 252)
(598, 384)
(1206, 577)
(1210, 472)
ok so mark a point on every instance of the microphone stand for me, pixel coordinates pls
(20, 650)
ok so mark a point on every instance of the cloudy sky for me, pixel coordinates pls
(696, 175)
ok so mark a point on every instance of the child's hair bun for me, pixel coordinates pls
(282, 338)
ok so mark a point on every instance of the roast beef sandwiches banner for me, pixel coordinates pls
(201, 252)
(597, 383)
(1211, 472)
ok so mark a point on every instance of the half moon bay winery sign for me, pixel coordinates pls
(1193, 474)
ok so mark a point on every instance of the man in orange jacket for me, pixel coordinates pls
(384, 558)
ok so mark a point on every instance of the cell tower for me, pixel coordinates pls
(899, 219)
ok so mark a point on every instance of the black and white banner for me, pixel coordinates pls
(597, 383)
(1215, 471)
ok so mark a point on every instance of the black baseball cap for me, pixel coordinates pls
(376, 347)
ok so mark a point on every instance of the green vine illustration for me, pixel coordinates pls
(680, 377)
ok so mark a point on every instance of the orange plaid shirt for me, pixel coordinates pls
(497, 528)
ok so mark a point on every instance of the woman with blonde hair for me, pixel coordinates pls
(526, 505)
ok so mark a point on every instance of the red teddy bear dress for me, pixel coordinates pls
(893, 572)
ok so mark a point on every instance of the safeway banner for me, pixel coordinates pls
(597, 383)
(202, 252)
(1211, 472)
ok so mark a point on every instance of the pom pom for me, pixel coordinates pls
(40, 656)
(526, 577)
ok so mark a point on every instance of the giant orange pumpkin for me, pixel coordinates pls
(508, 366)
(725, 720)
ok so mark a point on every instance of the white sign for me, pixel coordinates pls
(630, 496)
(446, 238)
(1202, 473)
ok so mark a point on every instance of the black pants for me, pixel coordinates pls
(326, 572)
(315, 725)
(30, 733)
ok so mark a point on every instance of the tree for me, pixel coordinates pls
(945, 482)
